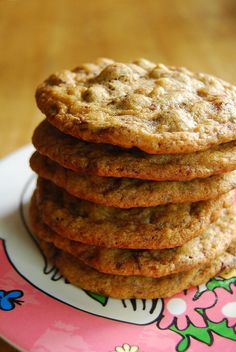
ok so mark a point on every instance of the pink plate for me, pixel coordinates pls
(40, 312)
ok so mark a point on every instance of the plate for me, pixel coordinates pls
(40, 311)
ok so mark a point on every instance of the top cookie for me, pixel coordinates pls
(157, 108)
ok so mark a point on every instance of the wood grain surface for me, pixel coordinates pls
(39, 37)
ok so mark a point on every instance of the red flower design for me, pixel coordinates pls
(225, 307)
(181, 309)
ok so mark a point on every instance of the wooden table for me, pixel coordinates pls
(39, 37)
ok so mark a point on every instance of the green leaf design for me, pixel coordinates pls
(99, 298)
(222, 329)
(216, 282)
(220, 282)
(183, 344)
(203, 335)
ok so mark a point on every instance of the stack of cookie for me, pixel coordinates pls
(136, 171)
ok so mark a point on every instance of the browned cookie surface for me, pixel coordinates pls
(149, 263)
(131, 193)
(110, 160)
(157, 108)
(140, 228)
(118, 286)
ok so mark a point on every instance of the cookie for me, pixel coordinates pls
(156, 108)
(109, 160)
(142, 228)
(131, 193)
(123, 287)
(149, 263)
(232, 248)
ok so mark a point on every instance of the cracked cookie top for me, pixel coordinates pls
(157, 108)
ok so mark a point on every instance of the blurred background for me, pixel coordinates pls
(39, 37)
